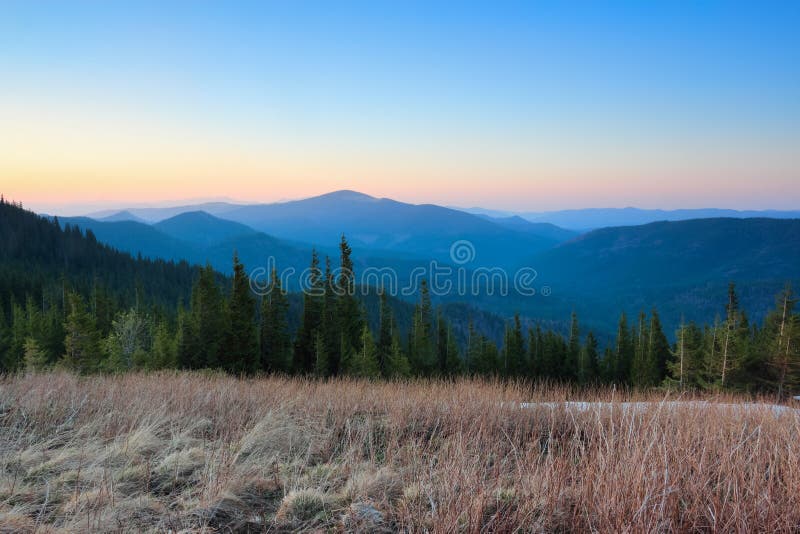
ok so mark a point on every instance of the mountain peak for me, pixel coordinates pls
(346, 194)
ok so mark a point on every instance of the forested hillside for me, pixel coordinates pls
(71, 302)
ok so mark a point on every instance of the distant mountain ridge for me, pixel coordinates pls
(424, 231)
(593, 218)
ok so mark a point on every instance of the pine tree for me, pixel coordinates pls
(623, 353)
(349, 309)
(275, 340)
(473, 348)
(82, 343)
(397, 365)
(514, 349)
(658, 351)
(421, 347)
(322, 364)
(781, 332)
(385, 333)
(733, 340)
(313, 295)
(588, 366)
(640, 372)
(535, 345)
(204, 328)
(35, 357)
(570, 370)
(329, 328)
(164, 354)
(453, 364)
(686, 363)
(241, 354)
(364, 361)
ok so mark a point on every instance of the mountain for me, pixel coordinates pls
(136, 238)
(593, 218)
(546, 230)
(40, 255)
(124, 215)
(202, 228)
(197, 238)
(425, 230)
(156, 214)
(681, 267)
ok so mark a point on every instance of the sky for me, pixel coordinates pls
(506, 105)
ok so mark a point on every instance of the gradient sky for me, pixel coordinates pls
(510, 105)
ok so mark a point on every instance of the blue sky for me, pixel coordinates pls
(516, 105)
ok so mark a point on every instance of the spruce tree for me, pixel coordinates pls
(422, 349)
(623, 352)
(385, 333)
(640, 366)
(329, 329)
(514, 349)
(205, 327)
(350, 318)
(313, 295)
(781, 332)
(453, 364)
(35, 357)
(658, 350)
(397, 365)
(364, 361)
(570, 371)
(241, 353)
(82, 343)
(275, 341)
(588, 366)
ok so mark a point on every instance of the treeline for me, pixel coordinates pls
(224, 325)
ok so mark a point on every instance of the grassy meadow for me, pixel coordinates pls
(197, 452)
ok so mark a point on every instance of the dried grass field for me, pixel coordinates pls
(207, 453)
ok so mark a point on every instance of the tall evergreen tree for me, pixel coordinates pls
(241, 354)
(313, 296)
(329, 328)
(782, 329)
(204, 328)
(385, 333)
(350, 318)
(588, 367)
(514, 349)
(658, 351)
(275, 340)
(82, 343)
(570, 370)
(422, 349)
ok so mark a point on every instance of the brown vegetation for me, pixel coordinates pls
(208, 452)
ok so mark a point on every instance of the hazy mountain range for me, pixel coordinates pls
(682, 267)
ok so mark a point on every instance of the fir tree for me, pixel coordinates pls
(364, 361)
(349, 309)
(205, 326)
(658, 351)
(313, 295)
(570, 371)
(35, 357)
(422, 350)
(82, 344)
(385, 333)
(241, 354)
(588, 366)
(782, 328)
(514, 349)
(275, 341)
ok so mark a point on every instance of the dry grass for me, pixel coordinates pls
(200, 452)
